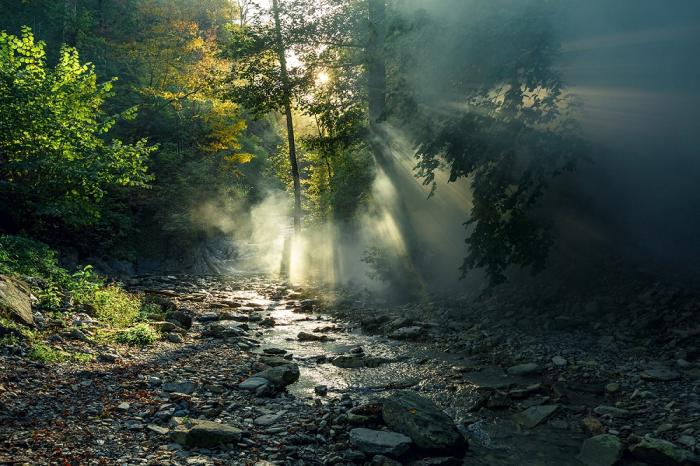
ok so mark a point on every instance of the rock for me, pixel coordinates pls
(430, 428)
(559, 361)
(280, 376)
(267, 419)
(208, 317)
(273, 361)
(174, 338)
(535, 415)
(179, 387)
(157, 429)
(304, 336)
(274, 351)
(76, 334)
(659, 374)
(124, 406)
(601, 450)
(307, 305)
(662, 453)
(180, 318)
(253, 383)
(524, 369)
(15, 300)
(442, 461)
(407, 333)
(167, 327)
(321, 390)
(380, 442)
(612, 388)
(225, 329)
(350, 361)
(611, 411)
(108, 357)
(381, 460)
(365, 414)
(205, 434)
(592, 426)
(268, 322)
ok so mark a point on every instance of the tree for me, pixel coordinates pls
(54, 163)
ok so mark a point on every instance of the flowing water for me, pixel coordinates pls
(495, 440)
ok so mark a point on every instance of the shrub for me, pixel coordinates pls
(151, 312)
(139, 335)
(115, 307)
(46, 354)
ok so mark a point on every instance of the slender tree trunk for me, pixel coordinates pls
(287, 99)
(376, 65)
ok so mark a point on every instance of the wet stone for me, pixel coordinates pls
(380, 442)
(601, 450)
(535, 415)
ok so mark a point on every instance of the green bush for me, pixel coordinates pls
(139, 335)
(150, 312)
(44, 353)
(115, 307)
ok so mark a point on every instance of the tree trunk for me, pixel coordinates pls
(287, 101)
(376, 64)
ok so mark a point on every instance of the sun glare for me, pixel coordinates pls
(323, 78)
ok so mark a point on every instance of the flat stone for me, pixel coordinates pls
(380, 442)
(267, 419)
(180, 387)
(525, 369)
(205, 434)
(157, 429)
(253, 383)
(407, 333)
(659, 374)
(535, 415)
(601, 450)
(305, 336)
(124, 406)
(611, 411)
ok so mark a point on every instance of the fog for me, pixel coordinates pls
(632, 66)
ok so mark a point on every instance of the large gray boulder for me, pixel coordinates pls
(663, 453)
(380, 442)
(205, 434)
(15, 302)
(180, 318)
(422, 420)
(601, 450)
(226, 329)
(280, 376)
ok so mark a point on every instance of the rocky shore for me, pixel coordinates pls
(252, 371)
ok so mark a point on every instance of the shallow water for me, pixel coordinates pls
(494, 441)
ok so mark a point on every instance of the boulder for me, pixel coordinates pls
(663, 453)
(601, 450)
(180, 318)
(419, 418)
(380, 442)
(225, 329)
(205, 434)
(407, 333)
(304, 336)
(280, 376)
(350, 361)
(15, 301)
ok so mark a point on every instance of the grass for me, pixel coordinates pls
(59, 290)
(138, 335)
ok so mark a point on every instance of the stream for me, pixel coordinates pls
(494, 440)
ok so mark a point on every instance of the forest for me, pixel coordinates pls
(336, 232)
